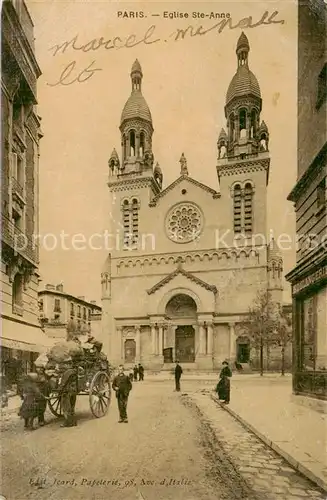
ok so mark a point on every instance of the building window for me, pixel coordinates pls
(242, 123)
(132, 143)
(17, 295)
(89, 314)
(41, 305)
(84, 312)
(130, 222)
(322, 86)
(72, 309)
(142, 144)
(78, 311)
(321, 195)
(237, 209)
(248, 209)
(308, 333)
(57, 306)
(135, 221)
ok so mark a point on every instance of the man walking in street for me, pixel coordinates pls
(178, 374)
(141, 372)
(122, 385)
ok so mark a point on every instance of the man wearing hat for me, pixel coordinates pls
(122, 385)
(68, 387)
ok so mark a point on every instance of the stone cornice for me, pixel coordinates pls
(181, 178)
(135, 182)
(175, 258)
(187, 275)
(309, 175)
(231, 168)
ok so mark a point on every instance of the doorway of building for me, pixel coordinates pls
(130, 351)
(185, 344)
(243, 353)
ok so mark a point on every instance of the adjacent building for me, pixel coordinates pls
(170, 288)
(57, 308)
(309, 277)
(22, 336)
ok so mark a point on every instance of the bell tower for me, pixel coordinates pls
(243, 155)
(133, 178)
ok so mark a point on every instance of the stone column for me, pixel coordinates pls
(232, 341)
(160, 340)
(202, 340)
(138, 343)
(119, 331)
(154, 339)
(137, 145)
(210, 339)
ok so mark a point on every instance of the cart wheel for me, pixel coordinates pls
(100, 394)
(54, 404)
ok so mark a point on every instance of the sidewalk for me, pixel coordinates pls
(14, 403)
(297, 433)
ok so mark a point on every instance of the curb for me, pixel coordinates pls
(294, 463)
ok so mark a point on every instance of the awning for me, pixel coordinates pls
(22, 337)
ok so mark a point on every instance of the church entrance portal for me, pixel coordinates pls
(182, 310)
(185, 344)
(130, 351)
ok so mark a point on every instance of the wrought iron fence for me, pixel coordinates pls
(312, 383)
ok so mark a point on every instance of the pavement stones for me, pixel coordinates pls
(268, 474)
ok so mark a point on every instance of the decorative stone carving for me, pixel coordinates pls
(183, 163)
(148, 159)
(184, 223)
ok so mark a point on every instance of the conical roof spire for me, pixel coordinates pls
(136, 68)
(243, 43)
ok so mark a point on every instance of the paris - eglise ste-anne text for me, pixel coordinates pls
(131, 14)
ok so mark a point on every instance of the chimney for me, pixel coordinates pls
(60, 287)
(81, 297)
(49, 287)
(93, 302)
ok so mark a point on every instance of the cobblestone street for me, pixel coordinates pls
(176, 446)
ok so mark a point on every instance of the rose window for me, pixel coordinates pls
(184, 223)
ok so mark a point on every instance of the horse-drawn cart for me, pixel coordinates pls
(93, 380)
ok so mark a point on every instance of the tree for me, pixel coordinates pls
(259, 323)
(282, 334)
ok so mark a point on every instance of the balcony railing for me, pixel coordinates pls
(17, 188)
(18, 241)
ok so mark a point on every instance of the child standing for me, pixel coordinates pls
(29, 409)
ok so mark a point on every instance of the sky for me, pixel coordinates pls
(184, 83)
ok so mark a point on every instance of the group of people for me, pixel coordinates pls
(36, 390)
(136, 373)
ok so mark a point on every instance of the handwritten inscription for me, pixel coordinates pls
(71, 74)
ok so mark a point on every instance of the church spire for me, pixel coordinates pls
(136, 76)
(242, 50)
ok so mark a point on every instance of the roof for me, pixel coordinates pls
(243, 42)
(243, 83)
(136, 67)
(181, 178)
(188, 275)
(69, 297)
(136, 107)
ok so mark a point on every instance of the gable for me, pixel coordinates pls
(185, 179)
(186, 274)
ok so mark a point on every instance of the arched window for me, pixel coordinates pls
(130, 222)
(242, 117)
(17, 295)
(237, 209)
(248, 209)
(126, 222)
(253, 129)
(142, 144)
(135, 220)
(231, 127)
(132, 143)
(125, 147)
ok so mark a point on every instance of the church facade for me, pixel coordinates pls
(188, 260)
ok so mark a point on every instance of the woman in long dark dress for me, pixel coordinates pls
(223, 386)
(29, 409)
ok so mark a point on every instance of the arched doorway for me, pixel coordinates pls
(130, 351)
(182, 309)
(243, 349)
